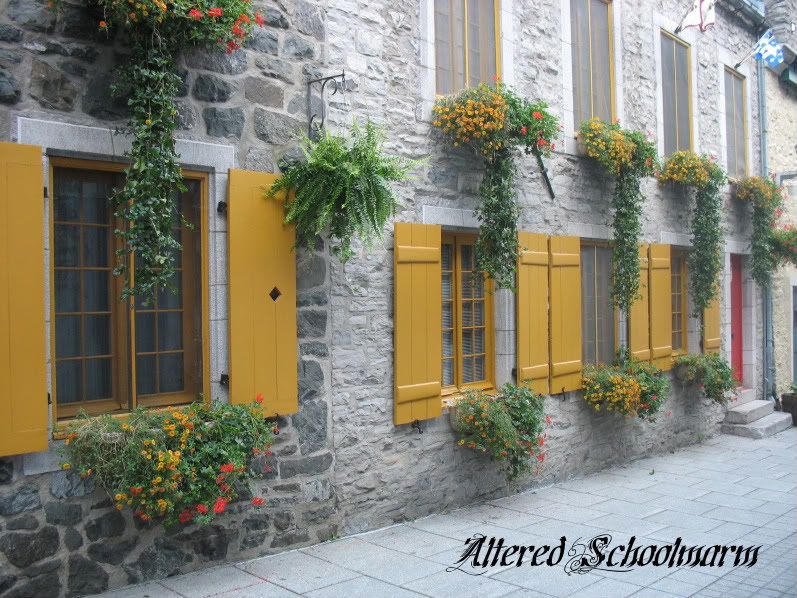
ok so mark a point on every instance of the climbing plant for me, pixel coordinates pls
(629, 156)
(156, 31)
(766, 198)
(493, 122)
(706, 177)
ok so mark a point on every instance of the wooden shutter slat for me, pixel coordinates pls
(712, 339)
(263, 344)
(661, 306)
(565, 313)
(417, 322)
(23, 357)
(639, 314)
(533, 351)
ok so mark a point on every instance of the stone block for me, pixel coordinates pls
(224, 122)
(25, 498)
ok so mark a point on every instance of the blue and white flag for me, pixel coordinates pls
(769, 50)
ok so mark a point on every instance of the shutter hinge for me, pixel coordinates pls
(49, 399)
(416, 425)
(221, 207)
(45, 193)
(224, 380)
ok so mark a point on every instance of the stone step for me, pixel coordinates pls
(744, 395)
(749, 412)
(762, 428)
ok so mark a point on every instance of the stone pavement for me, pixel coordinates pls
(727, 491)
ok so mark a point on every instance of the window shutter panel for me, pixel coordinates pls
(565, 313)
(711, 326)
(533, 362)
(262, 296)
(417, 316)
(23, 358)
(660, 306)
(639, 314)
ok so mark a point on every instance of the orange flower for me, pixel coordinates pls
(227, 468)
(103, 24)
(214, 12)
(259, 398)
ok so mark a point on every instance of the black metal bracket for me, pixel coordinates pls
(224, 380)
(544, 173)
(315, 122)
(221, 207)
(416, 425)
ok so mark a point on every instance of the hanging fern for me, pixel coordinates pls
(342, 188)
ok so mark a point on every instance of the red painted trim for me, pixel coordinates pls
(737, 338)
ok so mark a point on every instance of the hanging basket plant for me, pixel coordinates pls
(784, 244)
(706, 177)
(628, 156)
(157, 31)
(492, 123)
(343, 188)
(766, 198)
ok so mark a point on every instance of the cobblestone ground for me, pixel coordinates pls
(726, 491)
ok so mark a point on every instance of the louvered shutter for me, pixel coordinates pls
(639, 314)
(565, 313)
(660, 306)
(533, 363)
(711, 327)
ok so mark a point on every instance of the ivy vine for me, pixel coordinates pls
(766, 198)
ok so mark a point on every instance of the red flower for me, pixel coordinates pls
(232, 47)
(259, 398)
(541, 457)
(185, 516)
(201, 509)
(219, 478)
(227, 468)
(103, 24)
(523, 130)
(259, 19)
(220, 505)
(136, 490)
(257, 501)
(541, 142)
(224, 488)
(541, 441)
(537, 115)
(243, 17)
(236, 30)
(214, 12)
(548, 420)
(195, 14)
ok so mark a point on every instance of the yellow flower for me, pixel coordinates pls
(66, 466)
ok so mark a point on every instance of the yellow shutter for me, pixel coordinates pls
(262, 296)
(417, 318)
(639, 314)
(23, 358)
(711, 326)
(565, 313)
(533, 363)
(660, 307)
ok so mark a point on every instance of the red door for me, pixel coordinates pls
(736, 316)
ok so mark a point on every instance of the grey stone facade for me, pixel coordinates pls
(340, 464)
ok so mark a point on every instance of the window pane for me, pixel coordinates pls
(96, 290)
(448, 316)
(170, 330)
(446, 256)
(478, 340)
(478, 368)
(448, 372)
(95, 246)
(170, 372)
(467, 313)
(467, 342)
(468, 372)
(669, 99)
(145, 332)
(449, 45)
(97, 331)
(741, 143)
(68, 381)
(67, 290)
(579, 39)
(730, 123)
(67, 201)
(98, 379)
(466, 257)
(603, 304)
(601, 60)
(448, 343)
(478, 313)
(66, 245)
(481, 41)
(146, 383)
(588, 304)
(170, 298)
(95, 202)
(67, 336)
(682, 83)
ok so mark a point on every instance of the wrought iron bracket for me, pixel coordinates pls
(544, 173)
(315, 122)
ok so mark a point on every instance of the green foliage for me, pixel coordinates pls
(179, 465)
(710, 372)
(629, 156)
(784, 244)
(343, 187)
(508, 426)
(767, 199)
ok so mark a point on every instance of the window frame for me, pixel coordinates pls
(678, 40)
(612, 76)
(684, 275)
(735, 74)
(458, 388)
(465, 45)
(615, 311)
(124, 374)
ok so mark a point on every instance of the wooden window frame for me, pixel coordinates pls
(689, 76)
(612, 77)
(465, 45)
(124, 382)
(488, 384)
(737, 75)
(684, 275)
(615, 311)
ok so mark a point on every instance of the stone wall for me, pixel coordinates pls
(340, 465)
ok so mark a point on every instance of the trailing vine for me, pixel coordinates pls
(629, 156)
(492, 122)
(784, 244)
(706, 177)
(157, 31)
(766, 199)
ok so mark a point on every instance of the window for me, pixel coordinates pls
(597, 311)
(679, 301)
(735, 124)
(95, 334)
(467, 322)
(466, 52)
(593, 68)
(676, 95)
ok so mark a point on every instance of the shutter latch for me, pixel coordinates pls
(416, 425)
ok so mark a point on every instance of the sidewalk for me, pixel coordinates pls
(728, 490)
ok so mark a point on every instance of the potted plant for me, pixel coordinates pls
(788, 402)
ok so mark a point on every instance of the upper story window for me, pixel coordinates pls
(735, 124)
(676, 80)
(678, 287)
(109, 355)
(466, 49)
(593, 60)
(467, 322)
(597, 310)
